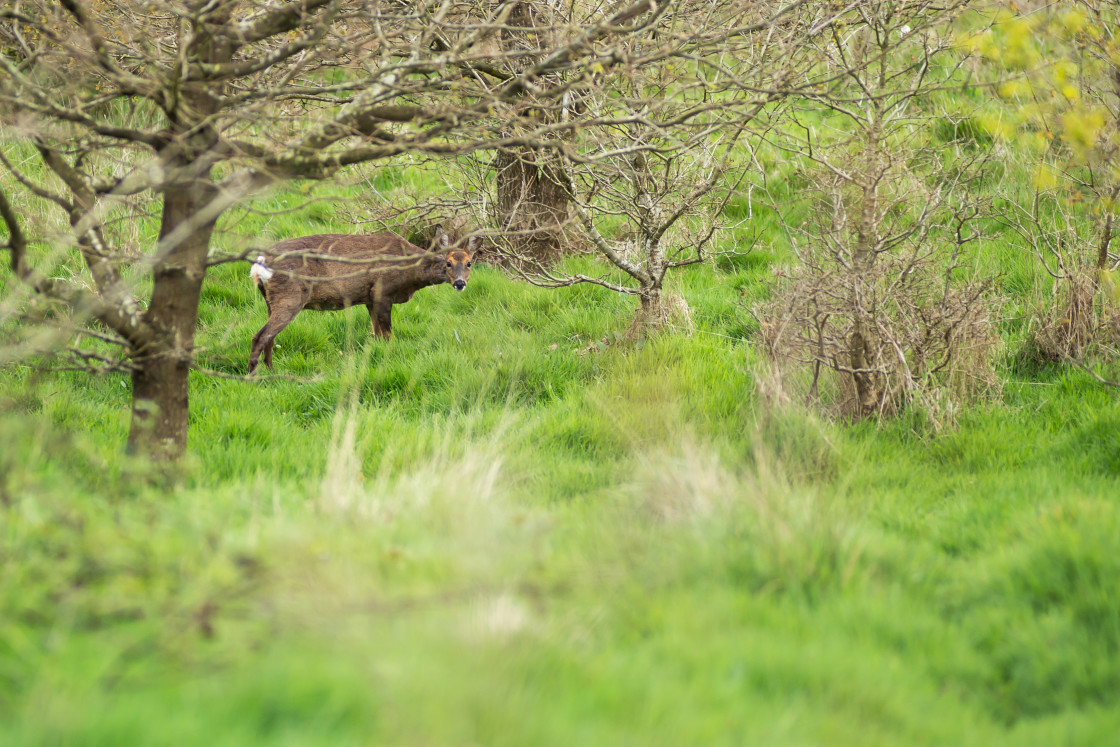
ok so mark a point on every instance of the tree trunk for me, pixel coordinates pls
(868, 396)
(652, 315)
(532, 191)
(160, 402)
(869, 390)
(160, 409)
(533, 203)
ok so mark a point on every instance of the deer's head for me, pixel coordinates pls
(457, 260)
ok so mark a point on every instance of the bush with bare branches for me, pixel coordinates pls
(873, 317)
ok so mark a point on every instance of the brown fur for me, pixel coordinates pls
(335, 271)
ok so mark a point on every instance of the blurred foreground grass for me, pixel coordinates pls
(499, 529)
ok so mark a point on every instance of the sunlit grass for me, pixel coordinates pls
(508, 525)
(499, 528)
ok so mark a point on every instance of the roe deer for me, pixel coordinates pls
(336, 271)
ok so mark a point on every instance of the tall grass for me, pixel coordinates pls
(498, 528)
(509, 526)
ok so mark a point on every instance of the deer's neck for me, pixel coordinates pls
(433, 269)
(428, 271)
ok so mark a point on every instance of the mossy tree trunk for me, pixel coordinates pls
(531, 186)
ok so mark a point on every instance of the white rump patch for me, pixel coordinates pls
(259, 273)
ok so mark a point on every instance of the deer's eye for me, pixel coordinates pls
(468, 264)
(448, 264)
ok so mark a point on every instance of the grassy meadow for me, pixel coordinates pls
(509, 526)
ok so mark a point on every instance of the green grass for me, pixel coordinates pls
(481, 532)
(508, 526)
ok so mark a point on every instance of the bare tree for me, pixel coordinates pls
(874, 297)
(114, 109)
(664, 199)
(660, 140)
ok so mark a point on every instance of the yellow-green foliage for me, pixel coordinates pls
(1057, 69)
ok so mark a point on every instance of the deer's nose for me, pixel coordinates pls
(460, 284)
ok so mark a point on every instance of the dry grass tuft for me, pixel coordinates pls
(783, 535)
(869, 344)
(1080, 320)
(498, 616)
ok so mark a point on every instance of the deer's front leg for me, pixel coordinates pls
(381, 314)
(280, 313)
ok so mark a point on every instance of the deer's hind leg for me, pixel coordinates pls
(381, 315)
(280, 315)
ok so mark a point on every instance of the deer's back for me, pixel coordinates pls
(332, 271)
(330, 255)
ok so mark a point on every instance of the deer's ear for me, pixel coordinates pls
(474, 243)
(440, 237)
